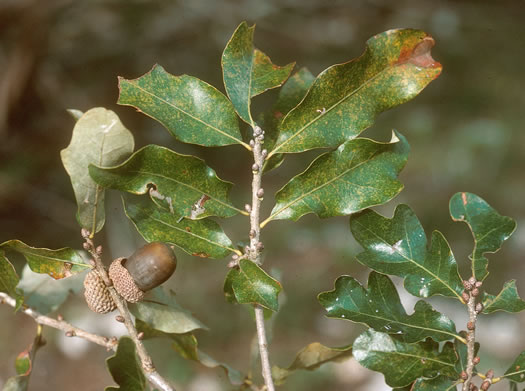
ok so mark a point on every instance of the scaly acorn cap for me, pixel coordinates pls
(97, 295)
(123, 282)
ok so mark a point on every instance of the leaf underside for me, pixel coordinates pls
(125, 368)
(98, 138)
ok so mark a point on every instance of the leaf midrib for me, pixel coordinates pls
(315, 119)
(188, 114)
(190, 233)
(321, 186)
(410, 259)
(154, 174)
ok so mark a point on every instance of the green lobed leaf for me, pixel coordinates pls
(310, 358)
(187, 346)
(24, 365)
(439, 383)
(185, 183)
(398, 246)
(61, 263)
(346, 98)
(358, 174)
(44, 294)
(516, 371)
(191, 110)
(252, 285)
(380, 308)
(248, 72)
(489, 228)
(8, 277)
(98, 138)
(125, 368)
(290, 95)
(162, 312)
(401, 363)
(507, 300)
(202, 238)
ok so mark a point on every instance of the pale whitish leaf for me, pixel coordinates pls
(98, 138)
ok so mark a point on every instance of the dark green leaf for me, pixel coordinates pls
(8, 277)
(400, 362)
(248, 72)
(358, 174)
(380, 308)
(125, 368)
(507, 300)
(252, 285)
(346, 98)
(61, 263)
(310, 358)
(516, 371)
(488, 227)
(98, 138)
(193, 111)
(186, 345)
(45, 294)
(202, 238)
(163, 313)
(398, 246)
(24, 365)
(184, 183)
(440, 383)
(290, 95)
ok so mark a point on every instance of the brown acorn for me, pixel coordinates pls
(146, 269)
(97, 295)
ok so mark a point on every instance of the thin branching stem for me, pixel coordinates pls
(145, 360)
(256, 246)
(472, 290)
(108, 343)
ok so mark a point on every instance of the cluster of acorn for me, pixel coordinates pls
(132, 277)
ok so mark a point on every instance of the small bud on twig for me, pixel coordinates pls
(248, 208)
(260, 193)
(255, 168)
(86, 246)
(479, 308)
(252, 143)
(478, 284)
(260, 246)
(471, 325)
(84, 233)
(476, 360)
(475, 292)
(119, 318)
(465, 296)
(235, 257)
(486, 385)
(463, 375)
(490, 374)
(60, 318)
(140, 335)
(70, 333)
(472, 280)
(264, 153)
(467, 285)
(99, 250)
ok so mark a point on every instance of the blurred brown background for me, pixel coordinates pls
(466, 131)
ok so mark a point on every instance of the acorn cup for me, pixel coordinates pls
(147, 268)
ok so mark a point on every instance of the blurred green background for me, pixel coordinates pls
(466, 132)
